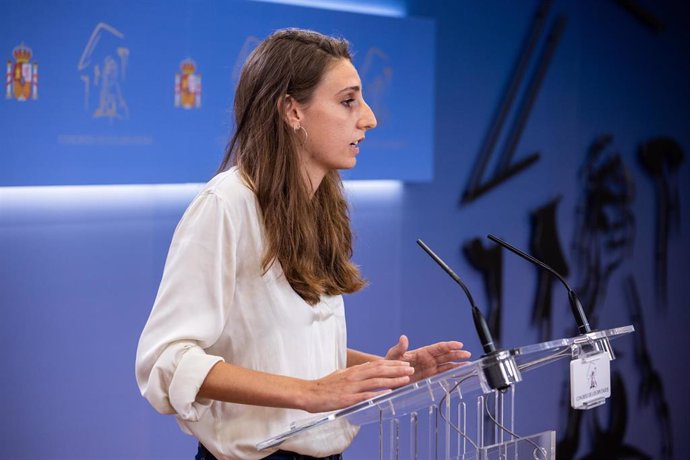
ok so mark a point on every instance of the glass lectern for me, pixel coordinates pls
(459, 414)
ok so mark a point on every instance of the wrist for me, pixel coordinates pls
(300, 394)
(355, 357)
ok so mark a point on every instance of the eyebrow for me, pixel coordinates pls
(350, 88)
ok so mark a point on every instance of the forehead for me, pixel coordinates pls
(339, 75)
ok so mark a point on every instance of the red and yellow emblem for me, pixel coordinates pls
(21, 80)
(188, 86)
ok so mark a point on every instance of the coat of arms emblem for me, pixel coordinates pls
(21, 80)
(188, 86)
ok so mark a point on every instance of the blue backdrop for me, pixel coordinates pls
(589, 88)
(105, 110)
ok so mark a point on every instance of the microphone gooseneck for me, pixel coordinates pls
(575, 304)
(498, 367)
(480, 324)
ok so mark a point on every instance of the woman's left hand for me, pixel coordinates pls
(429, 360)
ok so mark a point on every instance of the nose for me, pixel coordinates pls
(368, 119)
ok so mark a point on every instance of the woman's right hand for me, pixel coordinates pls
(355, 384)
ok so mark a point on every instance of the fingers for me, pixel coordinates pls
(444, 347)
(374, 377)
(445, 351)
(357, 383)
(365, 381)
(378, 375)
(404, 343)
(455, 355)
(399, 349)
(381, 368)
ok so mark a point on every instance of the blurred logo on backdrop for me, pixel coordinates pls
(103, 70)
(377, 74)
(188, 86)
(21, 79)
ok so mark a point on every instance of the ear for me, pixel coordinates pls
(291, 111)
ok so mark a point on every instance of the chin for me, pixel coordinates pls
(349, 165)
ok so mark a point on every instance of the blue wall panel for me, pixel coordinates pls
(105, 110)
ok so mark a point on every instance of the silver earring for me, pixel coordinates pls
(306, 134)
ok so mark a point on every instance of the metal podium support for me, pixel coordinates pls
(456, 415)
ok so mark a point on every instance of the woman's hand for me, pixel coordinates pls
(430, 360)
(355, 384)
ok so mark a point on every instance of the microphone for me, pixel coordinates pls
(575, 304)
(500, 369)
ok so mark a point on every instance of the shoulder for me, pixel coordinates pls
(230, 194)
(225, 197)
(229, 187)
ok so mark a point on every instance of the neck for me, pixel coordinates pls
(312, 176)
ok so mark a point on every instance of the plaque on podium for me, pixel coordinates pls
(457, 414)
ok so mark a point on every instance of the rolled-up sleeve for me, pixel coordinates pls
(190, 310)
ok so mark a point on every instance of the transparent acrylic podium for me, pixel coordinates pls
(455, 414)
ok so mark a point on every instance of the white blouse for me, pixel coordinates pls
(214, 304)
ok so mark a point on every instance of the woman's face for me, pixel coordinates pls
(336, 120)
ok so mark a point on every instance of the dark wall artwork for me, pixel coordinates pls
(603, 225)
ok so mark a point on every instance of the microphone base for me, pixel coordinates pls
(589, 345)
(498, 371)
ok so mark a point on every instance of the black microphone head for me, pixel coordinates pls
(483, 331)
(579, 313)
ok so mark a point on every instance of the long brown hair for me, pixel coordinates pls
(309, 236)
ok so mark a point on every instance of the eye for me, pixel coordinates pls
(348, 102)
